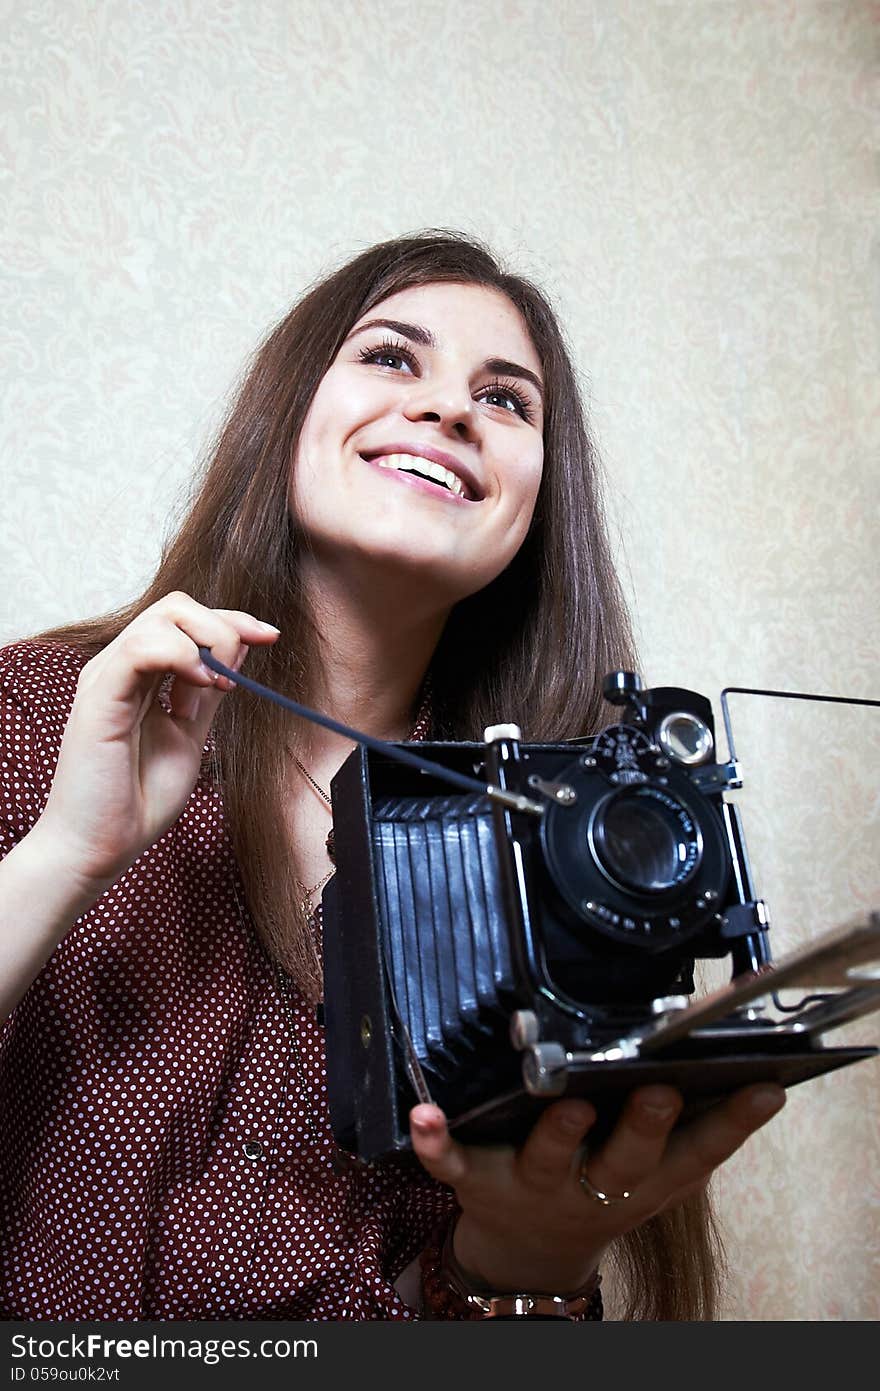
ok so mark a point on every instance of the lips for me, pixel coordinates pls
(472, 490)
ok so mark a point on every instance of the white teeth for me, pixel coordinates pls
(414, 464)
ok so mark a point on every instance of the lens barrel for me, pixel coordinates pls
(644, 840)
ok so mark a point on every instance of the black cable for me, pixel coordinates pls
(394, 751)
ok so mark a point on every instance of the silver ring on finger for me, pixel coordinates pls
(606, 1199)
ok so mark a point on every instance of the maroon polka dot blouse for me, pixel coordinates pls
(167, 1151)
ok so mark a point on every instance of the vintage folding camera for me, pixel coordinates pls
(494, 950)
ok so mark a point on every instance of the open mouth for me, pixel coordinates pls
(437, 474)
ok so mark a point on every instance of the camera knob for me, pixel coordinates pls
(619, 687)
(544, 1069)
(494, 733)
(524, 1029)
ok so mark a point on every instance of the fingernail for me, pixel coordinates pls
(206, 671)
(269, 627)
(426, 1122)
(657, 1110)
(424, 1127)
(766, 1100)
(574, 1122)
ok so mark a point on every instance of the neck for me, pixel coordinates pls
(375, 644)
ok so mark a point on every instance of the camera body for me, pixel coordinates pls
(490, 957)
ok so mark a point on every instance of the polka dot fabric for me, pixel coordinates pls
(167, 1150)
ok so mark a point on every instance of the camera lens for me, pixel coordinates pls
(645, 840)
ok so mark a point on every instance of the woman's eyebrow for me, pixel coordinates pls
(513, 369)
(418, 334)
(423, 336)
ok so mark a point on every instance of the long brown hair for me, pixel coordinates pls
(531, 647)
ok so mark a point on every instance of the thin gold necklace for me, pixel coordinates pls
(307, 893)
(418, 732)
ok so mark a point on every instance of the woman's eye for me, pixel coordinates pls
(506, 397)
(394, 356)
(513, 400)
(388, 355)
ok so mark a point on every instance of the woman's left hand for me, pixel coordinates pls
(528, 1224)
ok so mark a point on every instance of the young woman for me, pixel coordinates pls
(406, 488)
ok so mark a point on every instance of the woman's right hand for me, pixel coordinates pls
(126, 768)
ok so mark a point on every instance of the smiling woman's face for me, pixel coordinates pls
(423, 447)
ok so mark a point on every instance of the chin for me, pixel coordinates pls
(443, 578)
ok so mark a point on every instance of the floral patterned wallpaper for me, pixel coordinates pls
(693, 183)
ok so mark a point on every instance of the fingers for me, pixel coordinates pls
(225, 631)
(188, 703)
(552, 1155)
(637, 1143)
(165, 638)
(644, 1156)
(544, 1163)
(444, 1158)
(549, 1153)
(231, 627)
(699, 1147)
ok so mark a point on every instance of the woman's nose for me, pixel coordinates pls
(444, 401)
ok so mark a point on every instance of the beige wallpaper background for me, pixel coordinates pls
(693, 184)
